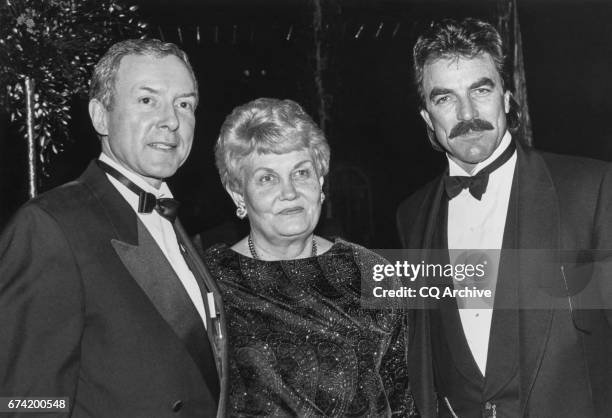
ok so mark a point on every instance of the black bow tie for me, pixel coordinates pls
(147, 202)
(477, 184)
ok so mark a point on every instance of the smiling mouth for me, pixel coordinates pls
(291, 211)
(162, 146)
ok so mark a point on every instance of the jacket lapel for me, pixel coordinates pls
(536, 226)
(539, 228)
(117, 211)
(434, 210)
(216, 325)
(151, 270)
(502, 356)
(420, 363)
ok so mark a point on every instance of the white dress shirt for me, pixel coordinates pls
(479, 224)
(160, 229)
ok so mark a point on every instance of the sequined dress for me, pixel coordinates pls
(301, 344)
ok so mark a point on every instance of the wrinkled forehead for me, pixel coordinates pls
(156, 72)
(283, 162)
(143, 65)
(457, 69)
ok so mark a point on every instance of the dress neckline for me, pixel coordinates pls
(337, 243)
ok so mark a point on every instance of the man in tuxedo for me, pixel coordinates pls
(538, 348)
(103, 299)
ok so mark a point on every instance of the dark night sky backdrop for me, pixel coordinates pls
(374, 130)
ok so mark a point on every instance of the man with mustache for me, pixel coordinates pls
(538, 346)
(103, 299)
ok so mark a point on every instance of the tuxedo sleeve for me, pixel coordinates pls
(603, 237)
(41, 306)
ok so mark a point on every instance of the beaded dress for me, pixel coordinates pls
(300, 343)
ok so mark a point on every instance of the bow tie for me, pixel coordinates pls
(147, 202)
(477, 185)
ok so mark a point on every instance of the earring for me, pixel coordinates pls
(241, 212)
(322, 197)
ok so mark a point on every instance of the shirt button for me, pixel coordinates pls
(177, 406)
(490, 410)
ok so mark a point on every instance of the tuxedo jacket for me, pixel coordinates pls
(84, 311)
(562, 205)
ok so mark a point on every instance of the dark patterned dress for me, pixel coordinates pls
(301, 344)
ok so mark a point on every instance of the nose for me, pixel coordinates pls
(288, 191)
(467, 110)
(168, 118)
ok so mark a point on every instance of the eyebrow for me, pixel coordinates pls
(484, 81)
(156, 91)
(149, 89)
(439, 91)
(267, 169)
(185, 95)
(303, 162)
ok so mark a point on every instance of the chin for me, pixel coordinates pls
(162, 172)
(475, 159)
(477, 154)
(295, 232)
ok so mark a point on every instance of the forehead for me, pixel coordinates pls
(459, 71)
(278, 162)
(140, 70)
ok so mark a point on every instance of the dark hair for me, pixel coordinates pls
(449, 38)
(468, 38)
(102, 83)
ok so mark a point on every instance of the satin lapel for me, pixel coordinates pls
(502, 357)
(463, 358)
(150, 268)
(539, 228)
(435, 210)
(117, 211)
(447, 307)
(216, 326)
(420, 363)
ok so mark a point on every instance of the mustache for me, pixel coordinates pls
(474, 125)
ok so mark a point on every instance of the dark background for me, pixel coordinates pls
(380, 153)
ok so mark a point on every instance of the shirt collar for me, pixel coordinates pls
(455, 169)
(163, 191)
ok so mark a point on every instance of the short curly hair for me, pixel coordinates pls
(267, 126)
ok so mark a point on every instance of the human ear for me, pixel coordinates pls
(507, 96)
(99, 116)
(237, 197)
(427, 118)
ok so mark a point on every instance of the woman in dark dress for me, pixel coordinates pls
(301, 341)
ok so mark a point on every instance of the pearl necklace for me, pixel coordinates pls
(313, 252)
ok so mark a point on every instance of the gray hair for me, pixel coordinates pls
(102, 83)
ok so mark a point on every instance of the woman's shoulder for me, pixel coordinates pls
(218, 255)
(225, 265)
(360, 252)
(216, 250)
